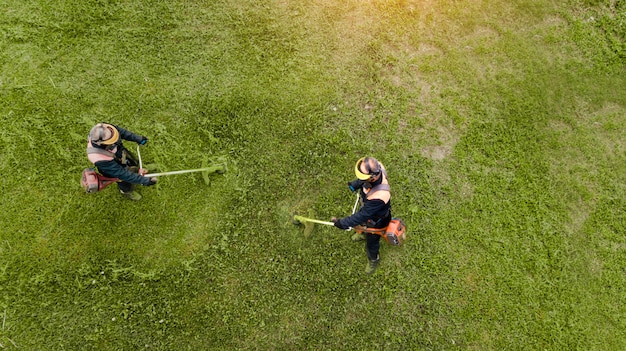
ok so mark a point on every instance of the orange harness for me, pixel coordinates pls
(394, 233)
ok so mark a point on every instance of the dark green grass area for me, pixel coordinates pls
(501, 126)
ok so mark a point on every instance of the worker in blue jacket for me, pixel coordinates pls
(375, 212)
(106, 151)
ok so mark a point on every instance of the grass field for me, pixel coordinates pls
(502, 125)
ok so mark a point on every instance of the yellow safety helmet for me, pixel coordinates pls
(104, 134)
(371, 171)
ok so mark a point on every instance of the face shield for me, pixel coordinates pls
(370, 172)
(104, 134)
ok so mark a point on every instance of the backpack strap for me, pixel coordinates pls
(95, 150)
(377, 188)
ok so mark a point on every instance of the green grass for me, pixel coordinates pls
(501, 125)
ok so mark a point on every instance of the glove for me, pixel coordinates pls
(143, 141)
(338, 224)
(355, 185)
(153, 181)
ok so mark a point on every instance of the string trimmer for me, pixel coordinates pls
(309, 223)
(93, 182)
(299, 220)
(220, 169)
(216, 168)
(394, 233)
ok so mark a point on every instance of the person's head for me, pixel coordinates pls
(103, 134)
(368, 169)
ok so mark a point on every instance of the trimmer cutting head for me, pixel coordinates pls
(295, 219)
(308, 226)
(218, 166)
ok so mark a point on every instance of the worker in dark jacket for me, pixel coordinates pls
(375, 212)
(106, 151)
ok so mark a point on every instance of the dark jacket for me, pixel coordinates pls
(115, 168)
(374, 213)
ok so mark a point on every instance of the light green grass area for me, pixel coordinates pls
(501, 125)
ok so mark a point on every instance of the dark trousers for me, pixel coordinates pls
(372, 241)
(131, 164)
(372, 245)
(125, 186)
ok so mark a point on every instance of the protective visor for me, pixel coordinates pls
(115, 135)
(360, 175)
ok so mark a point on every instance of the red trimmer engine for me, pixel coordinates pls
(94, 182)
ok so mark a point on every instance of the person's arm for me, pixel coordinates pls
(130, 136)
(366, 212)
(114, 170)
(356, 185)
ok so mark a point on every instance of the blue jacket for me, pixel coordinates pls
(115, 168)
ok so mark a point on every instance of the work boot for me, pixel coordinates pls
(372, 265)
(357, 237)
(132, 195)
